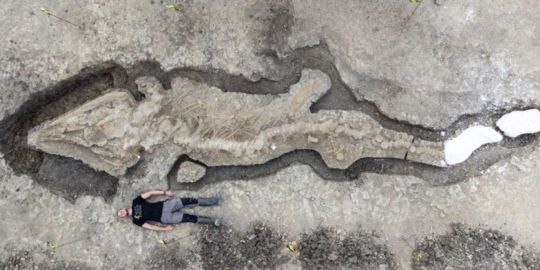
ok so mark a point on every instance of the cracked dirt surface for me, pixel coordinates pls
(450, 66)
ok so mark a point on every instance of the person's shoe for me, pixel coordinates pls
(209, 220)
(209, 201)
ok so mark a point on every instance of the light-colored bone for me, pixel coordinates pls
(214, 127)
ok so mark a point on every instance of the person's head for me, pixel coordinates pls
(122, 213)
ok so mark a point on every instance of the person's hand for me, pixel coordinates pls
(169, 228)
(169, 193)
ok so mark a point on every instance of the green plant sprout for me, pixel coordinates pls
(46, 11)
(173, 7)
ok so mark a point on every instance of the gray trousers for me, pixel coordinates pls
(170, 214)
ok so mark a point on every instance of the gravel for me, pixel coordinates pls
(260, 247)
(24, 259)
(328, 249)
(473, 248)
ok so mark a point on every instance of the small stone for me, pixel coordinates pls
(384, 145)
(513, 243)
(340, 156)
(439, 2)
(379, 138)
(366, 126)
(312, 139)
(412, 149)
(333, 257)
(255, 77)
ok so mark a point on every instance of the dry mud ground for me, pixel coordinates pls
(450, 65)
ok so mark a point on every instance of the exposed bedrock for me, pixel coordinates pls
(190, 172)
(429, 73)
(110, 132)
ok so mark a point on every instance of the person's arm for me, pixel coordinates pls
(156, 193)
(157, 228)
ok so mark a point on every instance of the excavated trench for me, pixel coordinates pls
(50, 171)
(70, 178)
(435, 176)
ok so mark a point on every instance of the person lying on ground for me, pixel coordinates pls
(166, 212)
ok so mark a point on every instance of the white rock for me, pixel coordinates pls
(312, 139)
(460, 148)
(520, 122)
(190, 172)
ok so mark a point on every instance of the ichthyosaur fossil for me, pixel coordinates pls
(111, 132)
